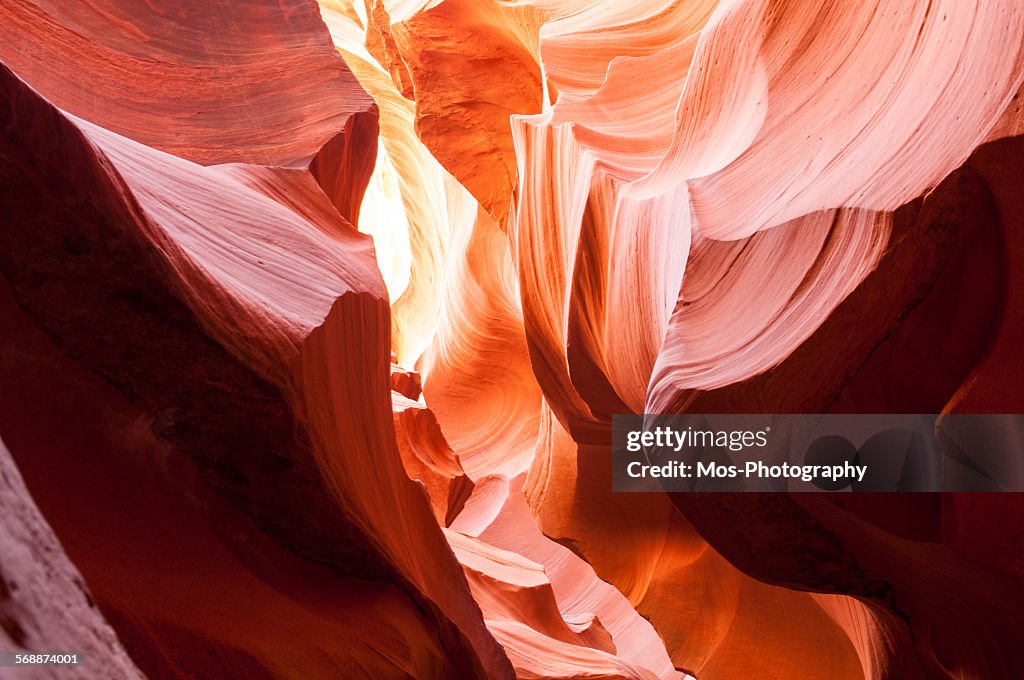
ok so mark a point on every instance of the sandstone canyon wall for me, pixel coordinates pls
(315, 316)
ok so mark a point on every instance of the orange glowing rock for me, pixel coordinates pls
(430, 49)
(234, 296)
(316, 315)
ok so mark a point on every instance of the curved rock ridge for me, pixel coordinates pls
(455, 309)
(463, 121)
(713, 191)
(211, 82)
(192, 586)
(198, 269)
(44, 603)
(652, 189)
(316, 315)
(413, 203)
(580, 593)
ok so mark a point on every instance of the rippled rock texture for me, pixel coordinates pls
(315, 317)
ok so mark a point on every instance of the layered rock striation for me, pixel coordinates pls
(316, 315)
